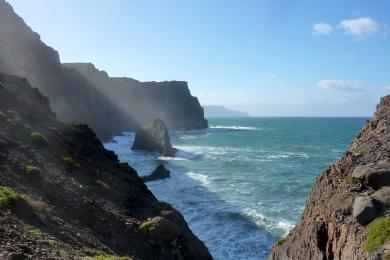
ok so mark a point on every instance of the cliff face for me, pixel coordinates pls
(347, 211)
(72, 97)
(143, 102)
(63, 196)
(109, 106)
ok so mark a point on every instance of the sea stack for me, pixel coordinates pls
(158, 174)
(347, 211)
(154, 137)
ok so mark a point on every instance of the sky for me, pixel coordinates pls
(266, 57)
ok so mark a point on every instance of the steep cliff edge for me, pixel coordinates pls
(143, 102)
(63, 196)
(347, 211)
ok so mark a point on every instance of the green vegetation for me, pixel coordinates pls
(38, 140)
(148, 226)
(358, 150)
(19, 128)
(70, 163)
(32, 170)
(378, 233)
(111, 257)
(9, 195)
(340, 201)
(281, 241)
(103, 185)
(349, 179)
(34, 231)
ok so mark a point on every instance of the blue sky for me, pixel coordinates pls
(269, 58)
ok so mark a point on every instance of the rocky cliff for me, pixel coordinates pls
(170, 101)
(63, 196)
(110, 106)
(347, 211)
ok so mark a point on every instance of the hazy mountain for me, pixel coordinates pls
(108, 107)
(221, 111)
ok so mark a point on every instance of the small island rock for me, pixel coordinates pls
(158, 174)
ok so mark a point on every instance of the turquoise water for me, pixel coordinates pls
(242, 183)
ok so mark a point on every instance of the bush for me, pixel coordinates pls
(31, 170)
(38, 140)
(148, 225)
(70, 163)
(378, 233)
(9, 195)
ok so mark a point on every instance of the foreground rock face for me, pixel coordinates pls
(66, 197)
(158, 174)
(346, 197)
(154, 137)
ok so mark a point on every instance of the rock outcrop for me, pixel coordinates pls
(347, 211)
(64, 196)
(108, 105)
(154, 137)
(158, 174)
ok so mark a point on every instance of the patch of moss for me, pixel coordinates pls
(340, 201)
(38, 140)
(70, 163)
(358, 150)
(378, 233)
(281, 241)
(148, 226)
(386, 257)
(9, 195)
(349, 179)
(32, 170)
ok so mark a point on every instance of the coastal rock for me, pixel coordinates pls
(154, 137)
(342, 237)
(158, 174)
(364, 210)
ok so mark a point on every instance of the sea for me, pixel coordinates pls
(242, 183)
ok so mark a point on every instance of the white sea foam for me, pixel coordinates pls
(269, 224)
(234, 127)
(203, 179)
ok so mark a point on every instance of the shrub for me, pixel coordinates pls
(31, 170)
(378, 233)
(281, 241)
(38, 140)
(70, 163)
(148, 226)
(9, 195)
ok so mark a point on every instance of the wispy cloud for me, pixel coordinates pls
(387, 88)
(341, 85)
(322, 29)
(360, 28)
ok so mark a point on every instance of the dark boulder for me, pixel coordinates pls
(158, 174)
(154, 137)
(364, 210)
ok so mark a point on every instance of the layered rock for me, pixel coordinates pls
(170, 101)
(64, 196)
(158, 174)
(347, 211)
(154, 137)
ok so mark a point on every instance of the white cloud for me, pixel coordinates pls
(322, 29)
(360, 27)
(387, 88)
(342, 85)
